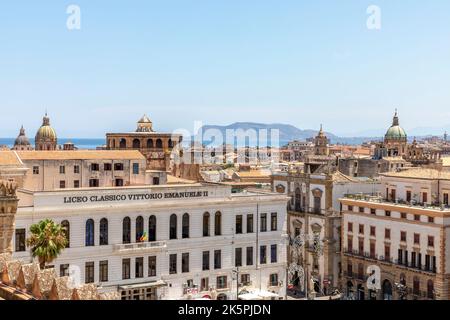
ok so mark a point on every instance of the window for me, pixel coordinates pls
(361, 246)
(185, 263)
(218, 224)
(118, 182)
(76, 169)
(263, 255)
(408, 196)
(217, 259)
(274, 280)
(155, 181)
(400, 256)
(373, 211)
(89, 272)
(126, 267)
(245, 279)
(62, 170)
(361, 209)
(152, 228)
(206, 224)
(64, 270)
(35, 170)
(238, 257)
(445, 198)
(152, 266)
(350, 227)
(430, 289)
(403, 236)
(185, 226)
(20, 240)
(239, 224)
(417, 217)
(349, 244)
(173, 264)
(139, 229)
(273, 221)
(159, 144)
(387, 234)
(273, 253)
(126, 230)
(263, 222)
(94, 183)
(372, 250)
(372, 231)
(430, 219)
(66, 225)
(297, 232)
(118, 166)
(416, 286)
(104, 232)
(62, 184)
(139, 268)
(76, 183)
(104, 271)
(430, 241)
(90, 233)
(173, 227)
(135, 168)
(204, 284)
(205, 260)
(249, 256)
(95, 167)
(425, 197)
(361, 229)
(350, 208)
(250, 223)
(222, 282)
(387, 253)
(416, 238)
(136, 144)
(403, 215)
(149, 143)
(387, 213)
(107, 167)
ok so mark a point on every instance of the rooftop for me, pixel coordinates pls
(420, 173)
(9, 158)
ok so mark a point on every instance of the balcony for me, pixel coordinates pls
(310, 210)
(139, 247)
(415, 267)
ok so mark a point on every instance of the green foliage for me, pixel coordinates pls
(47, 240)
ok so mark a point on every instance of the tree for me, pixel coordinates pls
(47, 240)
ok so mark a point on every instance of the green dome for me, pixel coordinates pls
(395, 132)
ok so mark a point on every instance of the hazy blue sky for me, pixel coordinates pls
(219, 61)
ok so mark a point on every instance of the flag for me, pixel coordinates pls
(144, 237)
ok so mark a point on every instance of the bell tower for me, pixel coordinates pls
(8, 209)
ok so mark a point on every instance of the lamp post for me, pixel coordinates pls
(236, 275)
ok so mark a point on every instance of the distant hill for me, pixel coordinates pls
(286, 133)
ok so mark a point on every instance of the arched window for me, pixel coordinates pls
(152, 228)
(185, 227)
(173, 227)
(430, 289)
(66, 225)
(126, 230)
(170, 142)
(150, 143)
(416, 286)
(206, 224)
(218, 224)
(113, 144)
(136, 144)
(123, 144)
(104, 232)
(90, 233)
(139, 228)
(159, 144)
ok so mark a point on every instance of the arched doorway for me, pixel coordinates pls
(387, 290)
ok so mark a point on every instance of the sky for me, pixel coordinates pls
(297, 62)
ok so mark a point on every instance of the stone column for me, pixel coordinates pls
(8, 209)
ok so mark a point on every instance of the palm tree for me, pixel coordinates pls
(47, 241)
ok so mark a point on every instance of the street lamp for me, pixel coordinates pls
(236, 277)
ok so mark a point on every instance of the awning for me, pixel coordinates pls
(153, 284)
(249, 296)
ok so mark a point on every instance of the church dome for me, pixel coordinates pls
(144, 124)
(395, 132)
(46, 136)
(22, 139)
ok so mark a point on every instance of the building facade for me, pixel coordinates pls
(404, 230)
(166, 242)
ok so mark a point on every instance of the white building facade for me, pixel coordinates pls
(166, 242)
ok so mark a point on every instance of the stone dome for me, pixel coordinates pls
(22, 139)
(395, 132)
(46, 138)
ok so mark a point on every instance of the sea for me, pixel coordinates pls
(90, 144)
